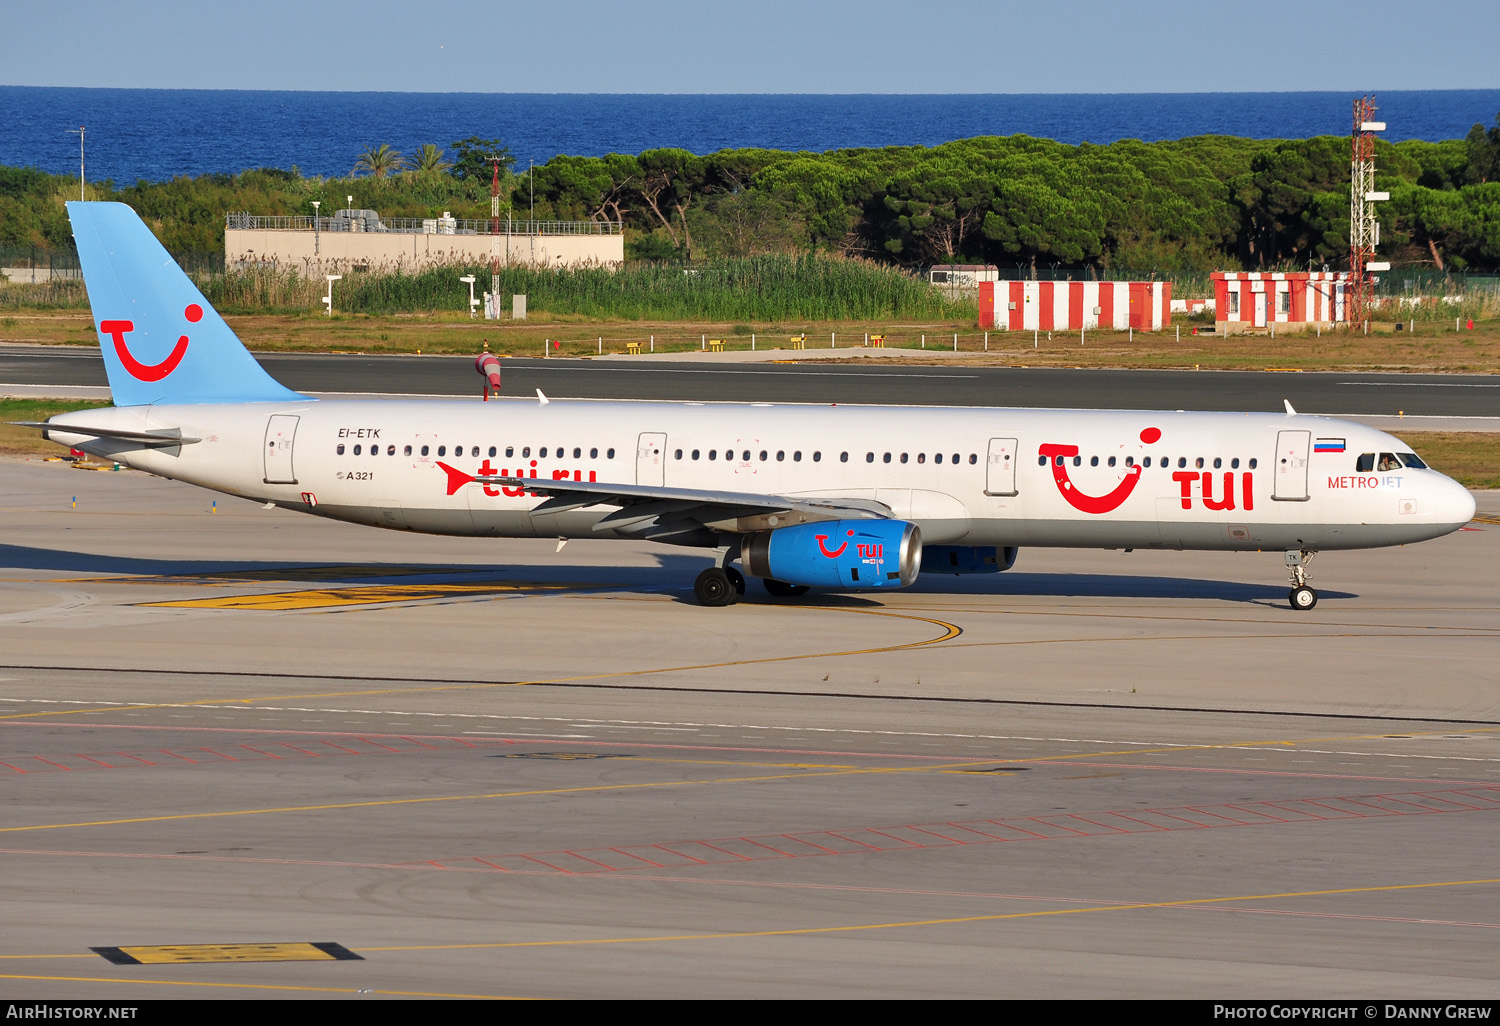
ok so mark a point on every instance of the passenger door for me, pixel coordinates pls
(1291, 465)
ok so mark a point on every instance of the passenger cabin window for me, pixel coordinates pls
(493, 451)
(390, 450)
(341, 448)
(424, 450)
(357, 450)
(408, 450)
(594, 454)
(610, 454)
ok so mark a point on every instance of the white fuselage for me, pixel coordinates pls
(965, 476)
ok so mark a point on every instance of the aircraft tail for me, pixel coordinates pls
(162, 341)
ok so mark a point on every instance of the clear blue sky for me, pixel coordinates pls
(759, 46)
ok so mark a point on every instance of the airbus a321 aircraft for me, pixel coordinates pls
(848, 498)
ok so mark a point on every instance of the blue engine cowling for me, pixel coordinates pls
(967, 559)
(851, 555)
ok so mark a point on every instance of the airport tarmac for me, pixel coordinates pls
(486, 768)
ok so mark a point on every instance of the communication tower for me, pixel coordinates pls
(1364, 230)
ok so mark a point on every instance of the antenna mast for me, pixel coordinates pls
(495, 236)
(1364, 230)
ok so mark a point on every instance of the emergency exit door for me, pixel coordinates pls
(1000, 467)
(651, 459)
(280, 433)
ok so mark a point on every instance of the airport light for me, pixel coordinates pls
(315, 205)
(328, 299)
(79, 133)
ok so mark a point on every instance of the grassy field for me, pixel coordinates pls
(1432, 347)
(1470, 457)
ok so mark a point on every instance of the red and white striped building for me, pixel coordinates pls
(1071, 305)
(1244, 300)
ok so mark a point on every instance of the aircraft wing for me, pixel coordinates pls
(646, 504)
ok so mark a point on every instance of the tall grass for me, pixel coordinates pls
(758, 288)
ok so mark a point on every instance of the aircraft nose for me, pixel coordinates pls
(1455, 503)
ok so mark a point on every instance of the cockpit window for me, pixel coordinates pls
(1412, 460)
(1388, 461)
(1366, 463)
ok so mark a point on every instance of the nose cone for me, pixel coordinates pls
(1456, 504)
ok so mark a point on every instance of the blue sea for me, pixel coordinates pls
(157, 134)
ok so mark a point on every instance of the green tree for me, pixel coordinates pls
(1484, 153)
(670, 178)
(429, 159)
(473, 159)
(379, 161)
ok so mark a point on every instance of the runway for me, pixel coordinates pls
(80, 372)
(491, 769)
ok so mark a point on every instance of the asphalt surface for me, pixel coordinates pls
(491, 768)
(1337, 394)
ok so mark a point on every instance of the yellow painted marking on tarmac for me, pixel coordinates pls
(953, 921)
(1486, 518)
(540, 792)
(177, 954)
(361, 595)
(310, 573)
(118, 980)
(949, 631)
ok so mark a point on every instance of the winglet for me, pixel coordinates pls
(1289, 411)
(541, 399)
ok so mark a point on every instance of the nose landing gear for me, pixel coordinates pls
(1301, 597)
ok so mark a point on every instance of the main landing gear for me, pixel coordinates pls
(721, 584)
(1301, 597)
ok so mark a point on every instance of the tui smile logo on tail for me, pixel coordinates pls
(149, 372)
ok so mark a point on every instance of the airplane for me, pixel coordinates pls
(840, 497)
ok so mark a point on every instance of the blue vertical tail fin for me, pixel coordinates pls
(162, 341)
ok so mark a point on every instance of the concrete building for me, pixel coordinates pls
(359, 240)
(1248, 300)
(1074, 305)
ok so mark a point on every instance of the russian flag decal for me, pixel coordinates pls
(1328, 445)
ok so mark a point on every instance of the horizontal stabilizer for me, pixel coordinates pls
(172, 436)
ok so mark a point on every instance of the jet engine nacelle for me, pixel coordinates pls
(844, 554)
(968, 559)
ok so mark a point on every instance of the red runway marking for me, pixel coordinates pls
(1105, 824)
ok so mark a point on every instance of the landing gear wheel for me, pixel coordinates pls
(713, 588)
(1302, 598)
(737, 579)
(781, 589)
